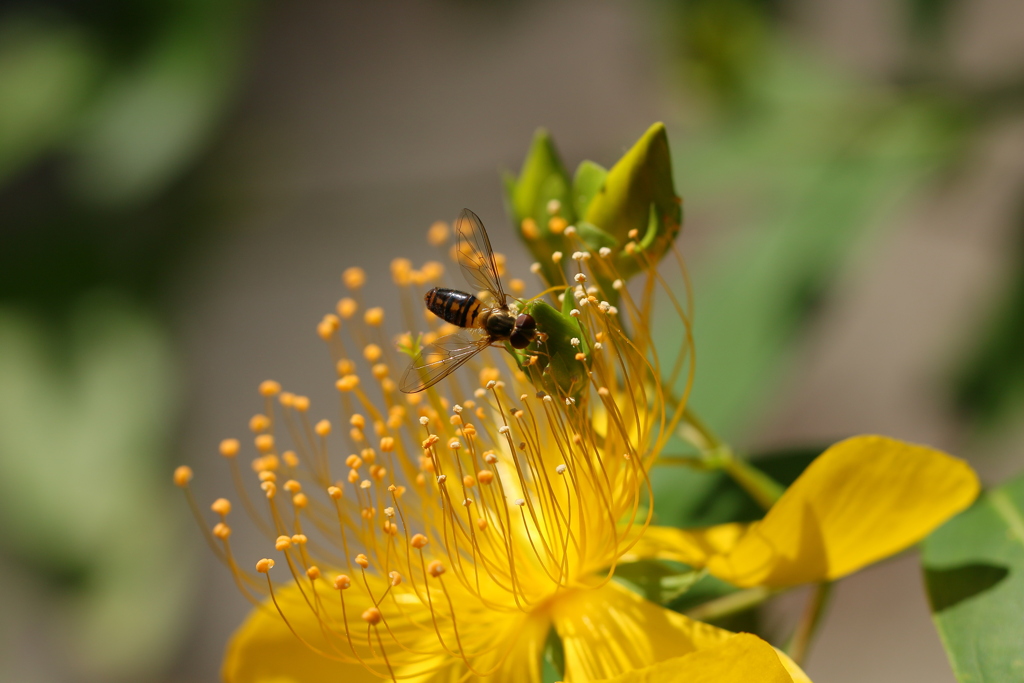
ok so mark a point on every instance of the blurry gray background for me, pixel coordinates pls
(180, 201)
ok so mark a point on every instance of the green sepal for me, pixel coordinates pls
(556, 370)
(638, 194)
(542, 178)
(586, 184)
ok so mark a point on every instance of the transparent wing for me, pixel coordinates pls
(442, 358)
(476, 256)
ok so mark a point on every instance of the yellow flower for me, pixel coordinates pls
(468, 520)
(860, 501)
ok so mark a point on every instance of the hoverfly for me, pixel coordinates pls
(484, 325)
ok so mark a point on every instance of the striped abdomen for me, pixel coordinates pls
(453, 306)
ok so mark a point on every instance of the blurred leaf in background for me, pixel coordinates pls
(105, 109)
(86, 415)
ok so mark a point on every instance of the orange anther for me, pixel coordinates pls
(313, 572)
(341, 582)
(468, 481)
(182, 476)
(347, 383)
(259, 423)
(299, 539)
(270, 388)
(283, 543)
(229, 448)
(301, 403)
(387, 444)
(345, 367)
(435, 568)
(292, 486)
(374, 317)
(264, 443)
(354, 277)
(372, 353)
(221, 530)
(372, 616)
(323, 427)
(334, 492)
(362, 560)
(222, 506)
(300, 500)
(418, 541)
(264, 565)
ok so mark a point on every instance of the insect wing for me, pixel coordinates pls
(442, 358)
(476, 256)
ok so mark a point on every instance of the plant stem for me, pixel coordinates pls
(730, 604)
(800, 643)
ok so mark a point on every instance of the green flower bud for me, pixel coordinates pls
(558, 368)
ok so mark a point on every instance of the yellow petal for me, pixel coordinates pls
(743, 658)
(264, 650)
(515, 643)
(506, 645)
(694, 547)
(610, 630)
(860, 501)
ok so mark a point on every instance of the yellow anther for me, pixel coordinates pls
(365, 484)
(517, 286)
(401, 271)
(557, 224)
(182, 476)
(455, 419)
(468, 481)
(398, 490)
(394, 421)
(264, 565)
(480, 412)
(353, 476)
(300, 500)
(222, 506)
(292, 486)
(283, 543)
(357, 421)
(229, 448)
(481, 523)
(372, 353)
(374, 317)
(362, 560)
(377, 472)
(435, 568)
(264, 443)
(454, 444)
(387, 384)
(430, 441)
(633, 234)
(323, 427)
(313, 572)
(418, 541)
(299, 539)
(259, 423)
(270, 388)
(326, 329)
(354, 277)
(432, 271)
(469, 430)
(420, 480)
(347, 383)
(380, 371)
(529, 229)
(287, 399)
(438, 233)
(368, 455)
(485, 476)
(290, 459)
(395, 577)
(221, 531)
(347, 308)
(372, 616)
(334, 492)
(387, 444)
(341, 582)
(345, 367)
(266, 475)
(354, 461)
(301, 403)
(581, 356)
(270, 488)
(603, 392)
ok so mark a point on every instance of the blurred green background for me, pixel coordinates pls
(181, 183)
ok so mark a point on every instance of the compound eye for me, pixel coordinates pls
(526, 323)
(520, 340)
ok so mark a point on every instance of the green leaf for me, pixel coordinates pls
(974, 572)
